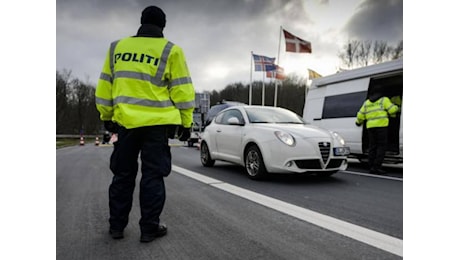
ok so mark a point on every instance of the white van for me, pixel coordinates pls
(332, 102)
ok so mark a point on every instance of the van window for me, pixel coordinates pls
(345, 105)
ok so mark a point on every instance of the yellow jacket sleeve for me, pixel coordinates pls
(182, 92)
(104, 100)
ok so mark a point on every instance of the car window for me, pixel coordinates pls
(232, 113)
(219, 118)
(214, 111)
(269, 115)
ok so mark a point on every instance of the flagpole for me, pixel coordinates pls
(263, 87)
(250, 81)
(276, 72)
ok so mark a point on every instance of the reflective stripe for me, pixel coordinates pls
(105, 76)
(140, 76)
(180, 81)
(112, 51)
(375, 118)
(142, 102)
(391, 107)
(104, 102)
(185, 105)
(163, 61)
(370, 111)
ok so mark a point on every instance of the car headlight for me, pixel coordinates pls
(338, 137)
(285, 138)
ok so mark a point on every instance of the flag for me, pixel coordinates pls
(278, 73)
(313, 74)
(263, 63)
(295, 44)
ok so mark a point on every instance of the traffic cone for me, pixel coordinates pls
(97, 141)
(82, 140)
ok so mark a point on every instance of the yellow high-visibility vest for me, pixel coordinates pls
(145, 81)
(376, 113)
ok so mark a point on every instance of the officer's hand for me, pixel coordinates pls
(183, 133)
(111, 126)
(172, 131)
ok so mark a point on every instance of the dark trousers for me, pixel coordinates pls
(377, 146)
(155, 154)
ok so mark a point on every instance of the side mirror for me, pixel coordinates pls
(234, 121)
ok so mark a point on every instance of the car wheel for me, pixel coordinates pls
(205, 156)
(254, 163)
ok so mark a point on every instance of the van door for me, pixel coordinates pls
(391, 86)
(342, 101)
(313, 108)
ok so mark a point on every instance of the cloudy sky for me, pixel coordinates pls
(218, 35)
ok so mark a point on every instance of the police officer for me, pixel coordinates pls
(375, 111)
(145, 94)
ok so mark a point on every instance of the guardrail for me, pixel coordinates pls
(77, 136)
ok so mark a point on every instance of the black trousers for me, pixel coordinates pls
(377, 146)
(155, 155)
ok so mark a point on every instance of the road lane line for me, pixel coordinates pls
(365, 235)
(374, 176)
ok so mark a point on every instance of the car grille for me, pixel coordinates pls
(315, 164)
(334, 163)
(308, 164)
(325, 149)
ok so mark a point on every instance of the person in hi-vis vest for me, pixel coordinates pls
(145, 95)
(375, 112)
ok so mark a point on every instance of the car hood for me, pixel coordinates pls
(304, 131)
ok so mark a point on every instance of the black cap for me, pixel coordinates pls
(153, 15)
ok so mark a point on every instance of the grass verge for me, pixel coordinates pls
(64, 142)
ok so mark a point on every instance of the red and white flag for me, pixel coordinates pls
(278, 73)
(295, 44)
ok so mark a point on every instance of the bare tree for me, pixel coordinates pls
(398, 51)
(348, 55)
(363, 53)
(380, 51)
(75, 106)
(62, 100)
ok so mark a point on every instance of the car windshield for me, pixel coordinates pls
(272, 115)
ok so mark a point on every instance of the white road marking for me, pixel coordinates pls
(374, 176)
(368, 236)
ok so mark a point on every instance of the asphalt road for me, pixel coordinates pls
(208, 221)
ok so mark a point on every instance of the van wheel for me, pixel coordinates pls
(254, 163)
(205, 155)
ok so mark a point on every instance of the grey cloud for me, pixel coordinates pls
(211, 32)
(377, 20)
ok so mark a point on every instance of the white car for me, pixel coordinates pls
(271, 140)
